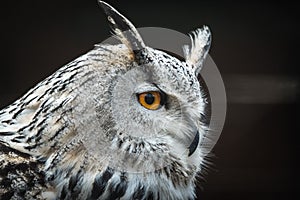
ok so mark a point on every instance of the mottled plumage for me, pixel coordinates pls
(83, 134)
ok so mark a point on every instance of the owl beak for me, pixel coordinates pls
(192, 148)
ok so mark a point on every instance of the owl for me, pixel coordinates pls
(123, 121)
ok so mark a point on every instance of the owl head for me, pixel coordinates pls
(156, 102)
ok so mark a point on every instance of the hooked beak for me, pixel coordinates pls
(192, 148)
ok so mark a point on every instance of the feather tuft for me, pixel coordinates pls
(197, 52)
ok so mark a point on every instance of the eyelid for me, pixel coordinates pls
(146, 87)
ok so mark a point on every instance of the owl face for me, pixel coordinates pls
(159, 100)
(153, 116)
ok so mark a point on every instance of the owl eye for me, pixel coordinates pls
(151, 100)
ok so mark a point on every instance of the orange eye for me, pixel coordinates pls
(150, 100)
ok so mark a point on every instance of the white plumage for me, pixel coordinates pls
(120, 122)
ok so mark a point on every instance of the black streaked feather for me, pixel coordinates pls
(100, 183)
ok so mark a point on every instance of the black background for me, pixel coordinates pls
(254, 46)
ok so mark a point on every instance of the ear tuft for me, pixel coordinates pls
(123, 29)
(197, 52)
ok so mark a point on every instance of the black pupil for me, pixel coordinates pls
(149, 98)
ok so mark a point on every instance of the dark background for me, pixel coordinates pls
(254, 46)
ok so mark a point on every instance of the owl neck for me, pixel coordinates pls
(131, 175)
(91, 182)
